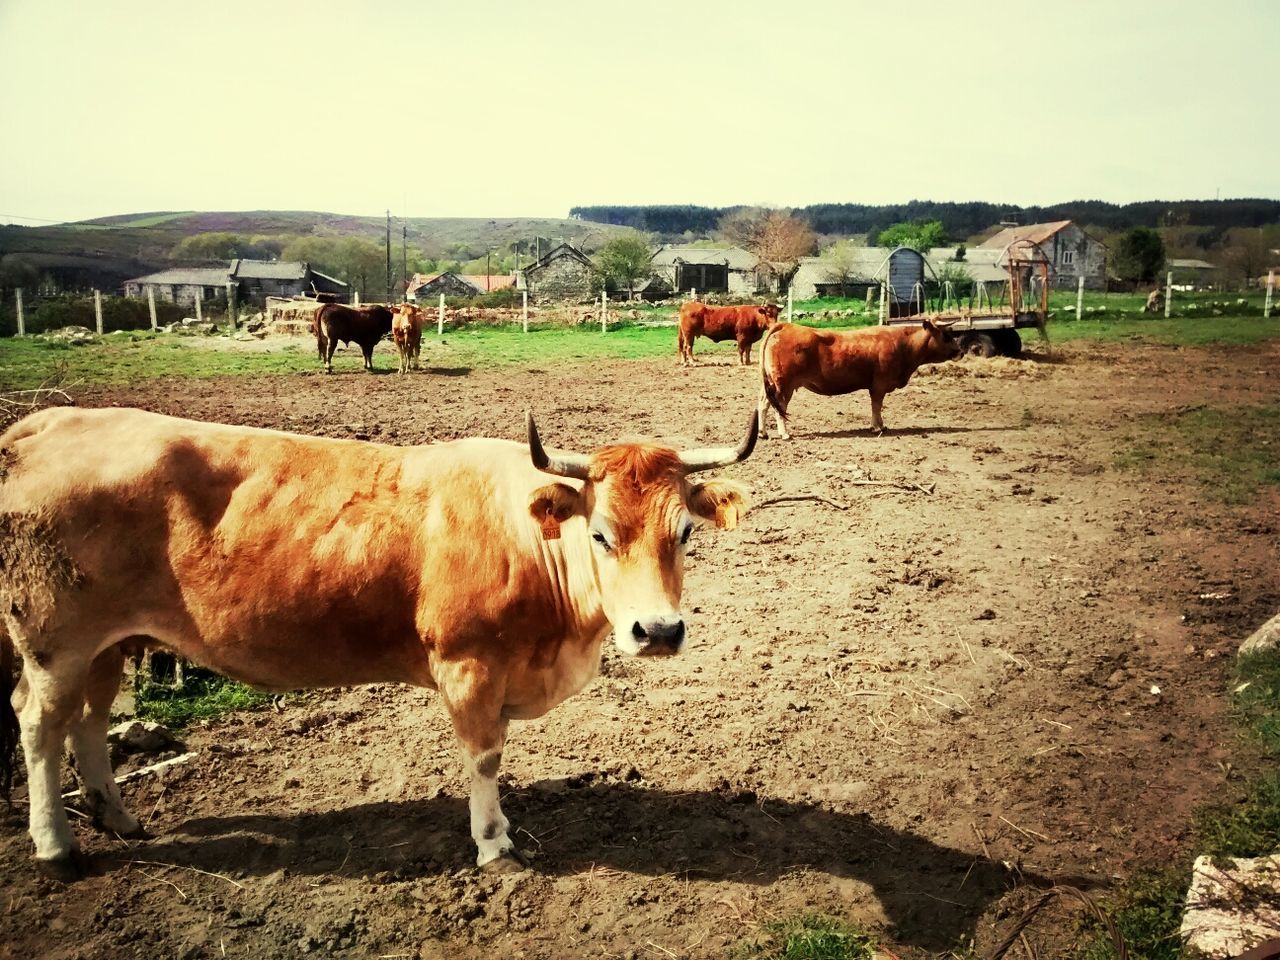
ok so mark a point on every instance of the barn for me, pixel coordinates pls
(252, 280)
(1071, 252)
(562, 273)
(730, 270)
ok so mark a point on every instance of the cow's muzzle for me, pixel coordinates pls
(659, 638)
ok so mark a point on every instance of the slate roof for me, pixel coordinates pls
(268, 269)
(736, 257)
(187, 276)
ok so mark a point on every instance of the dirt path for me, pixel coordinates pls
(896, 712)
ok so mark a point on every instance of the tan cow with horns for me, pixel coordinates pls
(489, 570)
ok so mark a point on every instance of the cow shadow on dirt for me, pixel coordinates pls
(931, 895)
(448, 371)
(891, 432)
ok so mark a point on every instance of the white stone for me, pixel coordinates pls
(1266, 637)
(1233, 908)
(141, 736)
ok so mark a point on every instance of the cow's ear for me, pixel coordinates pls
(552, 505)
(928, 325)
(722, 502)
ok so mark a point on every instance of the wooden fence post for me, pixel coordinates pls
(1266, 306)
(790, 294)
(97, 310)
(151, 306)
(1080, 297)
(524, 310)
(22, 321)
(1168, 293)
(356, 302)
(440, 317)
(604, 312)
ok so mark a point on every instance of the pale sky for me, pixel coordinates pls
(526, 109)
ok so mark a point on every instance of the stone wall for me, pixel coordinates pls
(1088, 256)
(564, 278)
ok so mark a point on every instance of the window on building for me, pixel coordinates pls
(1068, 257)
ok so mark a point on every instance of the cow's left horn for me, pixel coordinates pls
(566, 465)
(709, 458)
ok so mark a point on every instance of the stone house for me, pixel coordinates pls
(1071, 252)
(730, 270)
(429, 286)
(251, 280)
(562, 273)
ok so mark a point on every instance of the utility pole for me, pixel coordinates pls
(404, 258)
(388, 256)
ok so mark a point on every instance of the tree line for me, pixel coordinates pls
(959, 220)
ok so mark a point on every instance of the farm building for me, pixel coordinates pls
(429, 286)
(1072, 253)
(1192, 273)
(252, 280)
(562, 273)
(713, 270)
(859, 269)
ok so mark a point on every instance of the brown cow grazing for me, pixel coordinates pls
(489, 570)
(406, 331)
(745, 324)
(832, 362)
(364, 326)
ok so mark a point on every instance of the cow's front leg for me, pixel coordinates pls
(476, 710)
(877, 404)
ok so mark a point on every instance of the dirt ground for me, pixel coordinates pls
(899, 707)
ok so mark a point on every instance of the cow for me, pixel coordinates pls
(489, 570)
(406, 331)
(745, 324)
(834, 362)
(364, 326)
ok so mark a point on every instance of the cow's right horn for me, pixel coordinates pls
(572, 465)
(709, 458)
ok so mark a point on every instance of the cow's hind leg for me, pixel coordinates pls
(46, 701)
(88, 742)
(368, 356)
(330, 345)
(877, 404)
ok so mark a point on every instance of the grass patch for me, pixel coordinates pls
(1232, 452)
(1148, 914)
(203, 695)
(1176, 331)
(809, 937)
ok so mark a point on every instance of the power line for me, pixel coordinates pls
(15, 216)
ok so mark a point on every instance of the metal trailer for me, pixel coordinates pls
(987, 325)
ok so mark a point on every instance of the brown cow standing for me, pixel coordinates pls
(745, 324)
(831, 362)
(360, 325)
(406, 331)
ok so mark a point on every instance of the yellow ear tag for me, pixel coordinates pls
(726, 515)
(550, 526)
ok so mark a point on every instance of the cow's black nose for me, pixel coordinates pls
(660, 636)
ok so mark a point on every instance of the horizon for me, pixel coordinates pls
(566, 105)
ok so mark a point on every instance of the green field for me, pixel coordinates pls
(131, 356)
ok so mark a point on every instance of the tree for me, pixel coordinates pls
(917, 235)
(840, 262)
(1248, 251)
(624, 259)
(784, 239)
(1138, 255)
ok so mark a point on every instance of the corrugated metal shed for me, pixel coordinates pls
(735, 257)
(268, 269)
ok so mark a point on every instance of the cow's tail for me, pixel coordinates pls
(9, 731)
(768, 386)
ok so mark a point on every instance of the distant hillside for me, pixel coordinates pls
(960, 220)
(108, 250)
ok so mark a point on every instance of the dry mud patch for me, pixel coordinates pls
(900, 712)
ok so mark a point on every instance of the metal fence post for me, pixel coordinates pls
(22, 321)
(97, 310)
(440, 317)
(151, 306)
(1168, 293)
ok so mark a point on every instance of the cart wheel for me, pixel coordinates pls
(979, 345)
(1009, 343)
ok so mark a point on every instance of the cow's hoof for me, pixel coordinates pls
(511, 861)
(66, 869)
(137, 833)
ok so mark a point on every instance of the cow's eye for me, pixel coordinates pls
(688, 531)
(599, 538)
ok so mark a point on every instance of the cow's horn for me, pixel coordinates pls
(709, 458)
(566, 465)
